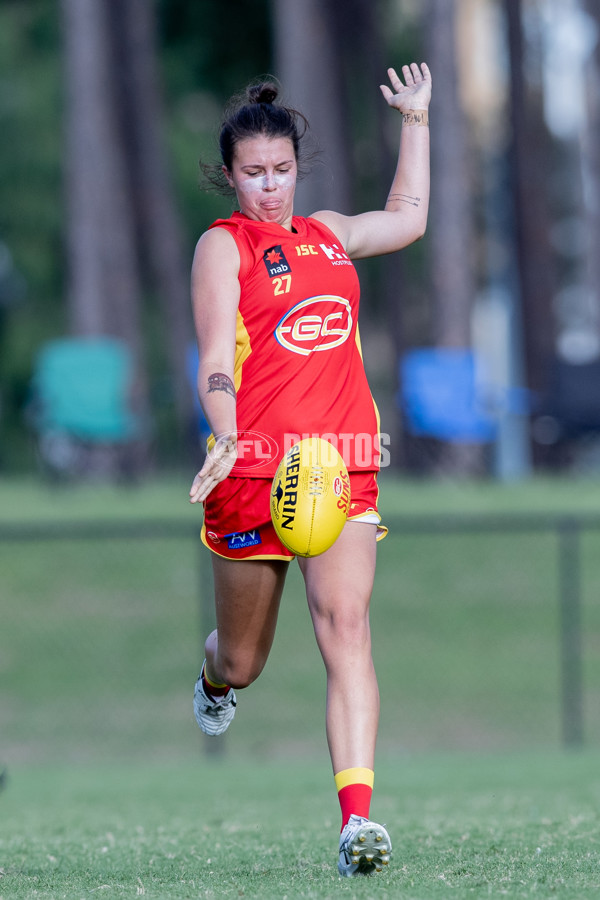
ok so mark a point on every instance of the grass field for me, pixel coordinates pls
(518, 826)
(465, 632)
(110, 789)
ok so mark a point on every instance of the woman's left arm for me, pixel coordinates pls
(404, 218)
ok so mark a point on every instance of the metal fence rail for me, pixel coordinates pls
(567, 528)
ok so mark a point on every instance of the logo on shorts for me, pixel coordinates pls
(275, 261)
(239, 540)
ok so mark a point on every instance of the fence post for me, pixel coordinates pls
(214, 745)
(569, 565)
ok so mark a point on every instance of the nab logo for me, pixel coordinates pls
(239, 540)
(275, 261)
(319, 323)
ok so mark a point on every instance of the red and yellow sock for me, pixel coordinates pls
(354, 787)
(213, 688)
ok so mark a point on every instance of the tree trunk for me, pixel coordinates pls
(530, 164)
(307, 64)
(87, 122)
(104, 286)
(356, 27)
(104, 290)
(331, 60)
(159, 227)
(451, 233)
(451, 239)
(591, 158)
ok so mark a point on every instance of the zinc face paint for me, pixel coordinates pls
(266, 182)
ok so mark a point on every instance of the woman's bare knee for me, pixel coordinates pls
(341, 626)
(240, 673)
(247, 604)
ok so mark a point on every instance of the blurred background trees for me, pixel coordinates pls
(107, 105)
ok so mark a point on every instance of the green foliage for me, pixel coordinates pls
(205, 54)
(30, 201)
(30, 208)
(211, 47)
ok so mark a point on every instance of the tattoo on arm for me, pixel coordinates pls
(405, 198)
(219, 382)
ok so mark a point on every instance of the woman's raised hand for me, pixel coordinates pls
(413, 93)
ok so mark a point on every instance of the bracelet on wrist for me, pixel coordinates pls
(415, 117)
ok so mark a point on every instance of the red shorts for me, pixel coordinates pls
(237, 516)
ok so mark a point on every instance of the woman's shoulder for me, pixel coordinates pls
(216, 244)
(332, 222)
(233, 223)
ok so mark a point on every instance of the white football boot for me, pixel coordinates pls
(213, 714)
(365, 847)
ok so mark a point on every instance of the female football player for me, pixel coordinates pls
(275, 299)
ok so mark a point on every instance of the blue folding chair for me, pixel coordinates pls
(441, 396)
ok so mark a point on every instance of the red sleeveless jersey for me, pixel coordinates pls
(298, 364)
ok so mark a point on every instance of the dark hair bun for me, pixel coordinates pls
(255, 112)
(265, 92)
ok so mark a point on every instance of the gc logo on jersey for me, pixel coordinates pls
(275, 261)
(319, 323)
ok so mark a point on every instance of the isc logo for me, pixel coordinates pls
(319, 323)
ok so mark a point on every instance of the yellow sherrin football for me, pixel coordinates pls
(310, 497)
